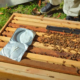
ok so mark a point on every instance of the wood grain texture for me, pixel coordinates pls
(52, 60)
(41, 65)
(18, 72)
(47, 22)
(46, 18)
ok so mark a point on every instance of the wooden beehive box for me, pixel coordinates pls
(40, 62)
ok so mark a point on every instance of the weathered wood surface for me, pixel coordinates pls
(17, 72)
(42, 65)
(59, 23)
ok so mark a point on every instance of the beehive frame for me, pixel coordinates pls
(29, 21)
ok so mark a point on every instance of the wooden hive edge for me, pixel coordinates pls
(32, 73)
(6, 23)
(45, 18)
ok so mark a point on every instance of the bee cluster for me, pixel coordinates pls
(66, 40)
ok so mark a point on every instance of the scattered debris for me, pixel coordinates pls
(51, 76)
(63, 63)
(39, 4)
(36, 12)
(1, 13)
(59, 15)
(78, 70)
